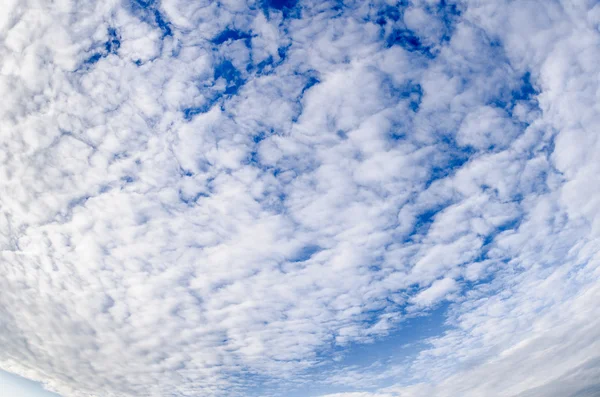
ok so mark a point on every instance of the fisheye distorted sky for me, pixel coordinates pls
(300, 198)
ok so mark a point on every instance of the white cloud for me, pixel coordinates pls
(438, 290)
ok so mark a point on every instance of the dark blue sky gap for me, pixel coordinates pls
(408, 40)
(288, 8)
(268, 65)
(448, 12)
(233, 82)
(523, 91)
(232, 76)
(389, 13)
(113, 43)
(111, 46)
(149, 12)
(305, 253)
(231, 34)
(409, 91)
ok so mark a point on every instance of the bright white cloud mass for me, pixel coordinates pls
(301, 197)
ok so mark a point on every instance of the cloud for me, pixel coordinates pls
(357, 395)
(212, 198)
(439, 289)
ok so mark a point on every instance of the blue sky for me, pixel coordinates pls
(16, 386)
(382, 198)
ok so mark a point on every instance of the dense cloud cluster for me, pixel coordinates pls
(209, 198)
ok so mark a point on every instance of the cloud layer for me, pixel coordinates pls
(211, 198)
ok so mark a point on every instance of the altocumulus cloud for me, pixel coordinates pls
(223, 198)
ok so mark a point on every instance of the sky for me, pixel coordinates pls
(333, 198)
(16, 386)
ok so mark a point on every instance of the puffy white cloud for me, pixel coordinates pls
(438, 290)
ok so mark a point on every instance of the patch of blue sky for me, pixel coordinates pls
(397, 33)
(408, 40)
(269, 64)
(450, 158)
(398, 347)
(287, 8)
(311, 82)
(488, 241)
(149, 12)
(526, 90)
(113, 43)
(93, 58)
(305, 253)
(111, 46)
(231, 75)
(12, 385)
(516, 91)
(233, 82)
(423, 222)
(409, 91)
(448, 12)
(190, 112)
(406, 339)
(388, 13)
(232, 35)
